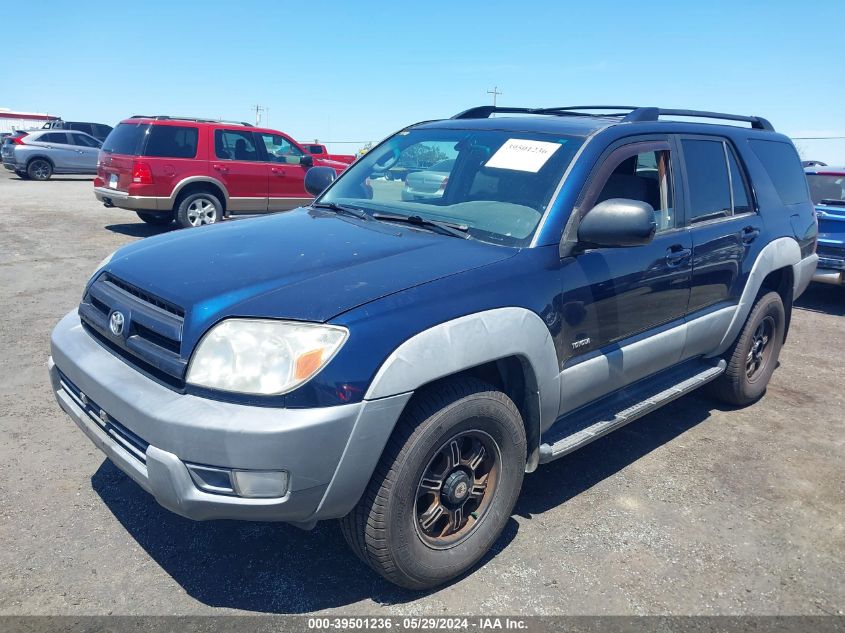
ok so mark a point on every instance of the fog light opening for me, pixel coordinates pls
(260, 483)
(215, 480)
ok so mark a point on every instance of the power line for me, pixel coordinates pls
(818, 138)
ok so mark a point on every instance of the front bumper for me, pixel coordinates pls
(330, 452)
(831, 268)
(133, 203)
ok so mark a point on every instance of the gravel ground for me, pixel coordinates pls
(695, 509)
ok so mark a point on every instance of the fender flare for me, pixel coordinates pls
(195, 179)
(442, 350)
(777, 254)
(469, 341)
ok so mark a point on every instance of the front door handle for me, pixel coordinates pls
(749, 234)
(277, 171)
(676, 255)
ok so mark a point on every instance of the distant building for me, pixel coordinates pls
(11, 121)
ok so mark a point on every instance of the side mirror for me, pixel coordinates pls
(306, 160)
(317, 179)
(618, 222)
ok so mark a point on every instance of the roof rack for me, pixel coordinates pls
(628, 114)
(163, 117)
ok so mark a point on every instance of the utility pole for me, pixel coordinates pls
(258, 110)
(495, 92)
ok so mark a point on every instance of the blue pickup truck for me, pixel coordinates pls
(400, 364)
(827, 190)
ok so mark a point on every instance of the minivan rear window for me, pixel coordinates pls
(126, 138)
(172, 141)
(784, 167)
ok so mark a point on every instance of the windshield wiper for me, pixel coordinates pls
(833, 202)
(342, 208)
(447, 228)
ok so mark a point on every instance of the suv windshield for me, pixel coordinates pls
(827, 188)
(497, 183)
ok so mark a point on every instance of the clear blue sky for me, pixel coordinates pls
(357, 71)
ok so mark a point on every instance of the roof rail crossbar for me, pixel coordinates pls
(653, 114)
(164, 117)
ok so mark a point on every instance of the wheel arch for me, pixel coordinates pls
(510, 348)
(42, 157)
(779, 254)
(199, 183)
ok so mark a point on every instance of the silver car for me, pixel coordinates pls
(428, 184)
(38, 154)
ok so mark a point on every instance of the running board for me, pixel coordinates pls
(591, 422)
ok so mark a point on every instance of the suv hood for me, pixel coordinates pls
(307, 264)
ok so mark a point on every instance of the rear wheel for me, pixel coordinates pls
(39, 169)
(444, 488)
(198, 209)
(158, 219)
(753, 357)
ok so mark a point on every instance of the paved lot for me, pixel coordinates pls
(692, 510)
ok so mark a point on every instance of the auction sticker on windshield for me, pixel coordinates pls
(523, 155)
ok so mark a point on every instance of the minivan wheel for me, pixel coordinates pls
(199, 209)
(39, 169)
(158, 219)
(753, 357)
(445, 486)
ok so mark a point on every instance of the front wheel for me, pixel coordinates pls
(157, 219)
(753, 357)
(199, 209)
(39, 169)
(445, 487)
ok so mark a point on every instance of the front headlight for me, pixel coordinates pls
(263, 357)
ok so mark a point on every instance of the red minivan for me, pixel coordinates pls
(197, 171)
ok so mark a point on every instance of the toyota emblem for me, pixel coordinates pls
(116, 321)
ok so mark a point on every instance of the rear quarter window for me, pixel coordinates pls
(172, 141)
(784, 168)
(126, 138)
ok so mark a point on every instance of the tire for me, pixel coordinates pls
(198, 209)
(39, 169)
(753, 357)
(396, 528)
(157, 219)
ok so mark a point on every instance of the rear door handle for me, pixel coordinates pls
(220, 167)
(277, 171)
(749, 234)
(676, 255)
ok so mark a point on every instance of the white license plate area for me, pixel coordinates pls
(113, 181)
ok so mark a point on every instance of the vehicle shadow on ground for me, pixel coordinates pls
(259, 567)
(276, 568)
(140, 229)
(556, 483)
(824, 298)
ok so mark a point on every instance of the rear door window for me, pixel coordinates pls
(708, 181)
(235, 145)
(126, 138)
(101, 131)
(59, 138)
(81, 127)
(784, 168)
(172, 141)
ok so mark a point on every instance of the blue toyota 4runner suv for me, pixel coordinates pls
(399, 364)
(827, 190)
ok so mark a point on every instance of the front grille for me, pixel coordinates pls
(151, 337)
(830, 252)
(133, 444)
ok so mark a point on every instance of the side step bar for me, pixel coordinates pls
(591, 422)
